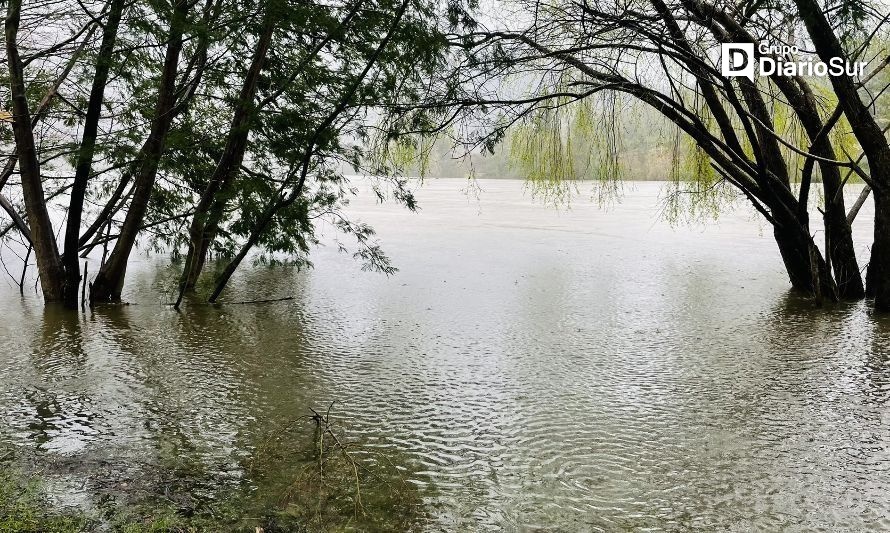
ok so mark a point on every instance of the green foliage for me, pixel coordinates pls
(313, 118)
(695, 192)
(404, 153)
(23, 509)
(557, 146)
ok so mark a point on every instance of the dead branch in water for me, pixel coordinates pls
(327, 478)
(245, 302)
(323, 423)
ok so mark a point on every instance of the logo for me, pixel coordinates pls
(738, 59)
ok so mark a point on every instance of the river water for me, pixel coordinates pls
(577, 369)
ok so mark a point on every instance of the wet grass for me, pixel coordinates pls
(24, 509)
(306, 476)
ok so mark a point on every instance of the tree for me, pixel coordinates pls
(237, 118)
(286, 133)
(566, 59)
(110, 279)
(40, 232)
(872, 139)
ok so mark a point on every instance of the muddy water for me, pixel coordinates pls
(571, 370)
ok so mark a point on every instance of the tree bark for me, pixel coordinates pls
(203, 228)
(46, 252)
(70, 259)
(798, 253)
(875, 146)
(878, 274)
(840, 248)
(109, 281)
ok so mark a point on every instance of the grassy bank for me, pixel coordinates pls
(296, 480)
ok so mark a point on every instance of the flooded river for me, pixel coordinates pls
(527, 369)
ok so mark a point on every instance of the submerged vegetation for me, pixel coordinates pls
(329, 483)
(24, 508)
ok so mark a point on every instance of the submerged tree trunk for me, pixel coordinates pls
(874, 145)
(49, 264)
(806, 268)
(840, 241)
(840, 248)
(205, 221)
(197, 257)
(109, 281)
(70, 258)
(796, 261)
(878, 276)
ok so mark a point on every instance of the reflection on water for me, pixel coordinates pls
(573, 370)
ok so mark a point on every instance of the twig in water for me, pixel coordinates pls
(319, 419)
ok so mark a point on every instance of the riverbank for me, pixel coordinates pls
(289, 483)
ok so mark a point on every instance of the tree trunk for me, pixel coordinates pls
(223, 279)
(839, 245)
(874, 145)
(205, 222)
(840, 240)
(70, 258)
(878, 276)
(109, 281)
(796, 261)
(197, 257)
(799, 251)
(800, 97)
(49, 264)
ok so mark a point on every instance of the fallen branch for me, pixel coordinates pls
(240, 303)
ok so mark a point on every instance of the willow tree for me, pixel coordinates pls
(538, 73)
(872, 138)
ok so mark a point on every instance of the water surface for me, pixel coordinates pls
(568, 370)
